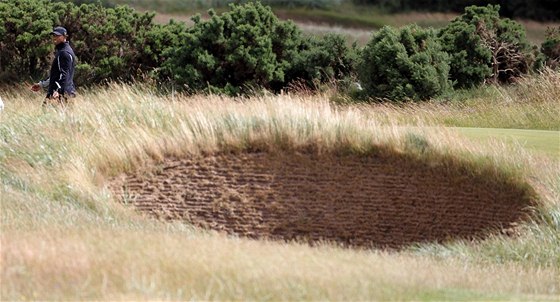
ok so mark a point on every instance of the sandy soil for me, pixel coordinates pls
(375, 201)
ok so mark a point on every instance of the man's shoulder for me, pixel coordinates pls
(66, 53)
(66, 48)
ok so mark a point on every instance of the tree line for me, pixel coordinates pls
(248, 48)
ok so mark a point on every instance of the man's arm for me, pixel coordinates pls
(45, 83)
(42, 84)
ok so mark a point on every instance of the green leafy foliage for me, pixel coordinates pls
(231, 51)
(405, 63)
(482, 47)
(110, 43)
(550, 49)
(24, 38)
(323, 59)
(245, 48)
(174, 6)
(114, 43)
(249, 47)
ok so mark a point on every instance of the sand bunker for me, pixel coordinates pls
(374, 201)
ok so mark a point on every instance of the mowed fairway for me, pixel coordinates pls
(539, 141)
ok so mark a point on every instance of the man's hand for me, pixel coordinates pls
(35, 87)
(55, 95)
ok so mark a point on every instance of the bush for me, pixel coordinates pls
(114, 43)
(484, 47)
(174, 6)
(231, 52)
(404, 64)
(247, 48)
(322, 59)
(243, 49)
(24, 41)
(550, 48)
(110, 43)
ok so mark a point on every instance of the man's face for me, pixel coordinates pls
(58, 39)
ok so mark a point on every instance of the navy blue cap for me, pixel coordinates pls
(59, 31)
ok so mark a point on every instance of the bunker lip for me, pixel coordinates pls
(375, 201)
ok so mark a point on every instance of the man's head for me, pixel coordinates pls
(59, 35)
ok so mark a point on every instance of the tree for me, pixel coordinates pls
(115, 43)
(404, 64)
(322, 59)
(249, 47)
(484, 47)
(550, 48)
(24, 50)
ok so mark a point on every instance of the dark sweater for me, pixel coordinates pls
(62, 70)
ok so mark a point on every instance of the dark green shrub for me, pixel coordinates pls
(484, 47)
(156, 41)
(110, 43)
(404, 64)
(174, 6)
(231, 52)
(550, 49)
(235, 52)
(249, 47)
(322, 59)
(24, 39)
(106, 3)
(114, 43)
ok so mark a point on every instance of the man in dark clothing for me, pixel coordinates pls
(60, 84)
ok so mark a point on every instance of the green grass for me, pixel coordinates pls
(344, 17)
(541, 141)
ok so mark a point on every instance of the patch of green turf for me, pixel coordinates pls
(543, 141)
(343, 18)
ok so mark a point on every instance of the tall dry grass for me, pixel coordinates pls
(64, 237)
(532, 103)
